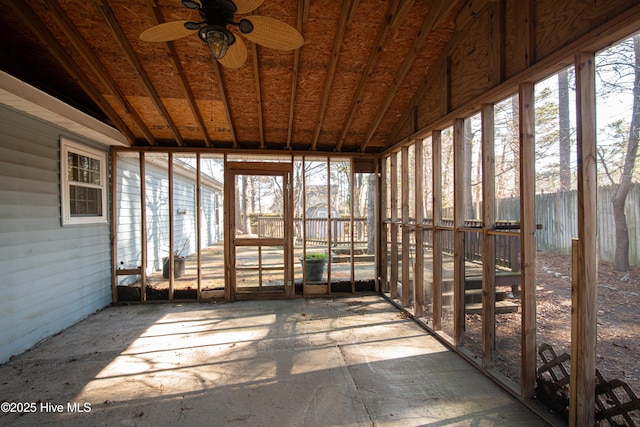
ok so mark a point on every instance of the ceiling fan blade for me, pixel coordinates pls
(246, 6)
(273, 33)
(236, 55)
(165, 32)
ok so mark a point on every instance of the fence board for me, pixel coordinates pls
(557, 213)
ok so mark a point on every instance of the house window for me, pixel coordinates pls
(83, 177)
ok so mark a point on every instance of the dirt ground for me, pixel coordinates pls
(618, 347)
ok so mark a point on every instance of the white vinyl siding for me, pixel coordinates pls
(52, 276)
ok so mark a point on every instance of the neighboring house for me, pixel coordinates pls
(55, 262)
(157, 213)
(317, 230)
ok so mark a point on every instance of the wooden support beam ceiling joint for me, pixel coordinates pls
(157, 18)
(129, 53)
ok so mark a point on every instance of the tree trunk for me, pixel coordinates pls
(564, 124)
(621, 262)
(371, 215)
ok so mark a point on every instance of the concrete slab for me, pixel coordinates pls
(346, 362)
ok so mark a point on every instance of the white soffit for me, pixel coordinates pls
(23, 97)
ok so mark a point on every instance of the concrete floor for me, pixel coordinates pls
(344, 362)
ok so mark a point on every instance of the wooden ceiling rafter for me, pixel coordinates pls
(129, 53)
(73, 35)
(225, 102)
(402, 11)
(303, 11)
(390, 21)
(431, 21)
(348, 9)
(66, 60)
(157, 18)
(256, 76)
(418, 96)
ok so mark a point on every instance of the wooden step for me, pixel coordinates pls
(502, 307)
(474, 296)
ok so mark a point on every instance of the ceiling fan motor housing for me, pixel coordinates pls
(218, 12)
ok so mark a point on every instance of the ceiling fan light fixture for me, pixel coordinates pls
(218, 39)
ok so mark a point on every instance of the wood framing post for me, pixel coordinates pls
(289, 232)
(436, 168)
(488, 238)
(527, 239)
(458, 233)
(113, 228)
(378, 228)
(404, 227)
(418, 271)
(229, 232)
(393, 289)
(382, 226)
(143, 228)
(172, 244)
(329, 225)
(352, 258)
(198, 225)
(304, 224)
(584, 303)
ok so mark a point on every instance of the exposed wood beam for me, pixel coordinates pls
(401, 11)
(68, 28)
(223, 95)
(524, 38)
(303, 10)
(431, 21)
(527, 239)
(390, 20)
(496, 56)
(348, 9)
(432, 74)
(404, 225)
(67, 61)
(488, 239)
(393, 196)
(496, 43)
(458, 234)
(610, 32)
(383, 225)
(418, 273)
(470, 11)
(156, 16)
(436, 261)
(256, 75)
(585, 292)
(129, 53)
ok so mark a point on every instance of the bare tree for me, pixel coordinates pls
(564, 125)
(616, 63)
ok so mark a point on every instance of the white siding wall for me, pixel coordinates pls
(157, 212)
(50, 277)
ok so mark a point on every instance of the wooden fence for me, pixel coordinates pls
(557, 213)
(316, 229)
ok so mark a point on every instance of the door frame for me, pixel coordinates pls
(233, 169)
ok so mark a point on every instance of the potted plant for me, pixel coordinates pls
(314, 266)
(178, 262)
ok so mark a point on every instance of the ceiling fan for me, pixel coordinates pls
(213, 29)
